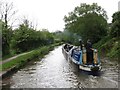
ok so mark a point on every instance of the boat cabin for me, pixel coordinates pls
(81, 56)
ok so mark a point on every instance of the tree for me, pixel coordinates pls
(0, 39)
(6, 13)
(58, 36)
(115, 26)
(47, 37)
(23, 37)
(26, 37)
(88, 21)
(6, 37)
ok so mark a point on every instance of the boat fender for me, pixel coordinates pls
(84, 57)
(95, 57)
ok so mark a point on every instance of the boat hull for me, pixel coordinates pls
(90, 69)
(85, 67)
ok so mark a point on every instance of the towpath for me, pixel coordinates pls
(11, 58)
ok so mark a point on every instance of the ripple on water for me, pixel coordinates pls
(53, 71)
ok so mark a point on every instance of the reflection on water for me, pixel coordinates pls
(53, 71)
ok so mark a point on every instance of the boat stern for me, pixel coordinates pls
(90, 68)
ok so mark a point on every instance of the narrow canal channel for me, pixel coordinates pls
(53, 71)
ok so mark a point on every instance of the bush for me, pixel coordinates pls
(109, 46)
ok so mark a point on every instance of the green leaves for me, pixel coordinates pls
(26, 38)
(87, 21)
(115, 26)
(6, 37)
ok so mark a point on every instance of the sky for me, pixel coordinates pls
(49, 14)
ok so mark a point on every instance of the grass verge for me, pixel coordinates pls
(110, 47)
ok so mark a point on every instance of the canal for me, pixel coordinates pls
(53, 71)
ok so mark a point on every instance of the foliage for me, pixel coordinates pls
(109, 45)
(6, 15)
(88, 21)
(22, 39)
(6, 37)
(26, 38)
(115, 50)
(104, 45)
(115, 26)
(47, 37)
(58, 36)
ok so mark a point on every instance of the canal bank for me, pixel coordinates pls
(54, 71)
(16, 63)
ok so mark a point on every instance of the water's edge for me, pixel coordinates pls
(53, 71)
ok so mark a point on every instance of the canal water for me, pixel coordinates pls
(54, 71)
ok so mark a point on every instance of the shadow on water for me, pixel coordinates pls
(6, 84)
(97, 73)
(6, 80)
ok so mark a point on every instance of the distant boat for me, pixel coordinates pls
(79, 57)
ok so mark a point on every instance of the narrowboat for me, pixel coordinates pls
(79, 57)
